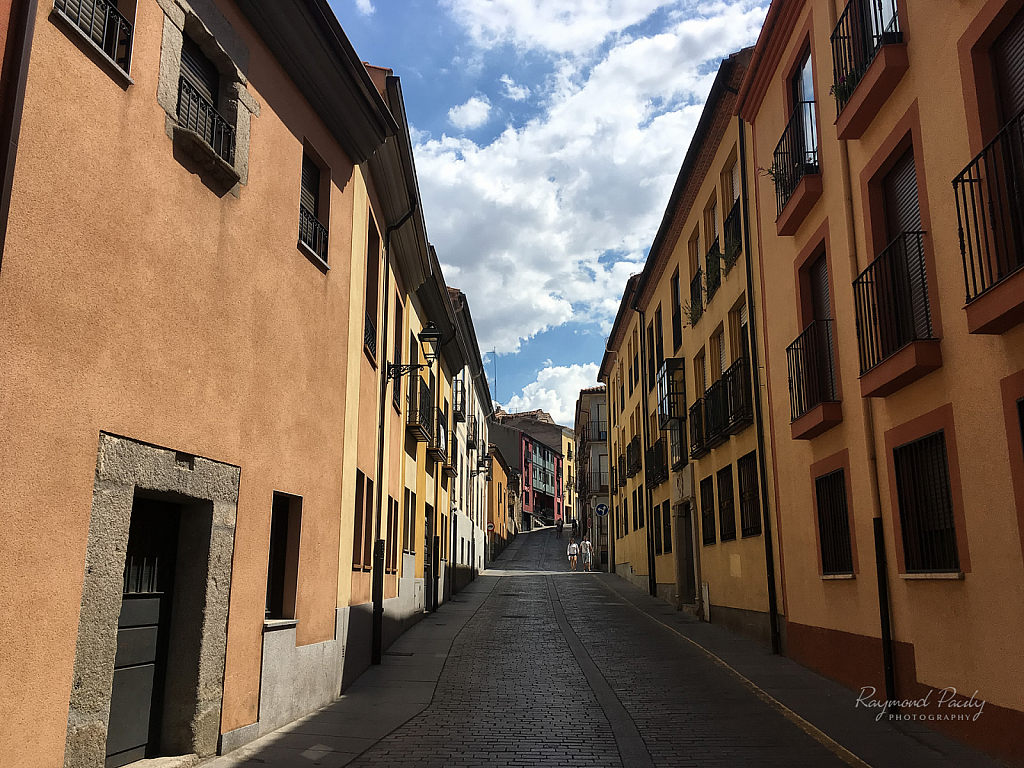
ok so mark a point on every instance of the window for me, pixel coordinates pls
(656, 522)
(391, 553)
(198, 96)
(659, 339)
(796, 154)
(372, 278)
(640, 504)
(926, 505)
(104, 24)
(1020, 417)
(409, 528)
(726, 505)
(833, 524)
(396, 390)
(677, 313)
(625, 514)
(362, 530)
(652, 369)
(811, 357)
(707, 509)
(666, 526)
(312, 232)
(283, 568)
(750, 502)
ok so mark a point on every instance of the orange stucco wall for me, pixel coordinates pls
(136, 301)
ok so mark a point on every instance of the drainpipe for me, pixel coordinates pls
(377, 578)
(652, 576)
(868, 416)
(22, 24)
(755, 372)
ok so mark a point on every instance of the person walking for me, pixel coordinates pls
(573, 551)
(587, 551)
(575, 527)
(558, 529)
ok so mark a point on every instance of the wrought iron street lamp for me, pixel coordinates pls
(430, 342)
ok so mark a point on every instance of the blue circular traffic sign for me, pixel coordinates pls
(602, 510)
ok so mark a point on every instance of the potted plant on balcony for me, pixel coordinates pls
(843, 88)
(692, 312)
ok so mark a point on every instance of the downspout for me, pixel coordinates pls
(755, 372)
(868, 415)
(377, 638)
(652, 576)
(12, 101)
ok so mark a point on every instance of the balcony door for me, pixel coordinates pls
(821, 358)
(903, 216)
(1008, 58)
(803, 100)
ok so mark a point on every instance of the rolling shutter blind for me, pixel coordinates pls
(903, 214)
(199, 71)
(722, 364)
(1008, 55)
(820, 305)
(310, 195)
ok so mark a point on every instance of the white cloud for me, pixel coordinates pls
(543, 225)
(556, 390)
(472, 114)
(560, 26)
(365, 7)
(513, 90)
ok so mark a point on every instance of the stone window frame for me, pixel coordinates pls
(124, 467)
(221, 44)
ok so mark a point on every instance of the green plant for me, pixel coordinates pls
(842, 89)
(772, 172)
(692, 313)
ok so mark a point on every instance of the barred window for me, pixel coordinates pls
(707, 509)
(640, 504)
(926, 505)
(833, 524)
(726, 504)
(750, 502)
(666, 524)
(656, 522)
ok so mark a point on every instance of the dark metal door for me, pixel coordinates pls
(142, 629)
(428, 557)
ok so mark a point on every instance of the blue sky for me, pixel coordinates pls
(547, 136)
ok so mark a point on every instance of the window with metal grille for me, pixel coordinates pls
(666, 525)
(707, 509)
(926, 505)
(750, 501)
(198, 97)
(656, 522)
(833, 523)
(726, 505)
(640, 504)
(625, 516)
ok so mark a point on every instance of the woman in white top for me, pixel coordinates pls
(574, 549)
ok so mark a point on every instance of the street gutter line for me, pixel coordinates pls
(631, 745)
(813, 731)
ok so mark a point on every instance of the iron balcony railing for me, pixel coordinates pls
(733, 230)
(451, 466)
(598, 431)
(740, 406)
(458, 400)
(438, 445)
(102, 23)
(891, 300)
(312, 233)
(697, 434)
(671, 392)
(812, 375)
(656, 463)
(471, 431)
(614, 479)
(677, 445)
(370, 333)
(598, 482)
(864, 27)
(713, 261)
(696, 297)
(634, 459)
(198, 115)
(990, 210)
(418, 413)
(622, 470)
(796, 154)
(716, 413)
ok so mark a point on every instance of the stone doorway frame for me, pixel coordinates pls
(208, 494)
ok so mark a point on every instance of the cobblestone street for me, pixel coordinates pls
(576, 669)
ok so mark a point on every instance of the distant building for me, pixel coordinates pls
(541, 426)
(594, 477)
(540, 469)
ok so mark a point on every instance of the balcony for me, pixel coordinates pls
(990, 215)
(471, 431)
(656, 463)
(370, 334)
(677, 445)
(733, 231)
(697, 434)
(598, 431)
(713, 262)
(814, 404)
(671, 392)
(894, 324)
(634, 459)
(103, 25)
(614, 480)
(199, 117)
(458, 401)
(622, 471)
(740, 403)
(312, 233)
(418, 421)
(696, 308)
(716, 414)
(795, 169)
(868, 62)
(598, 482)
(451, 464)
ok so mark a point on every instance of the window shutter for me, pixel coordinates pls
(820, 306)
(743, 314)
(735, 181)
(722, 364)
(310, 195)
(199, 71)
(903, 214)
(1008, 53)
